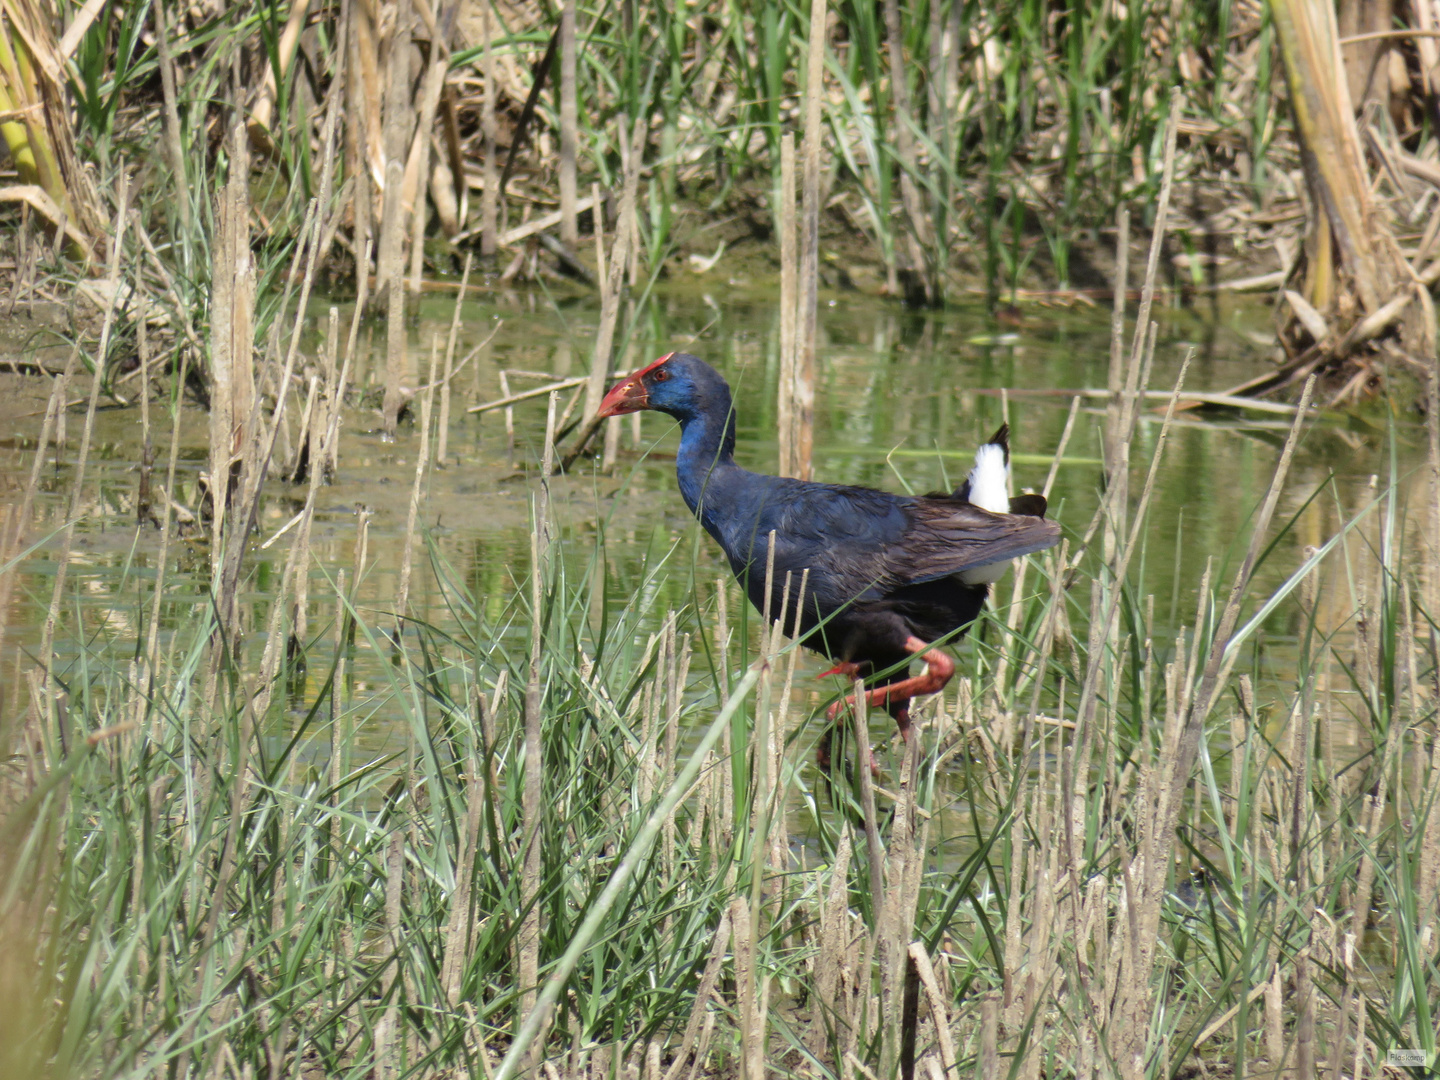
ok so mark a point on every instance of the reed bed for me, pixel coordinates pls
(599, 847)
(958, 137)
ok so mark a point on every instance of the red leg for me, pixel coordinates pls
(938, 670)
(902, 721)
(845, 667)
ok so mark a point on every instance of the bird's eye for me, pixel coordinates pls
(661, 375)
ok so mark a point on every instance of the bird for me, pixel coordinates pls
(885, 576)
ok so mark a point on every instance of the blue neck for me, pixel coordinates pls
(705, 464)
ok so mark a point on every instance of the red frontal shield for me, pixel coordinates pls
(630, 394)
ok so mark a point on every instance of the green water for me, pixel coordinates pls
(902, 400)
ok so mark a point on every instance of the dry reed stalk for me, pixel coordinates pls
(807, 321)
(895, 921)
(97, 378)
(1141, 348)
(611, 280)
(419, 161)
(1012, 618)
(709, 978)
(173, 146)
(331, 455)
(456, 941)
(247, 511)
(627, 222)
(874, 848)
(747, 990)
(395, 130)
(645, 766)
(361, 130)
(396, 354)
(1364, 256)
(532, 801)
(147, 450)
(1103, 625)
(390, 254)
(387, 1045)
(422, 459)
(298, 459)
(675, 700)
(330, 399)
(918, 287)
(1304, 1006)
(285, 447)
(443, 424)
(489, 206)
(1116, 373)
(785, 413)
(333, 211)
(610, 451)
(166, 516)
(751, 984)
(746, 910)
(362, 556)
(987, 1060)
(569, 230)
(488, 719)
(832, 945)
(1427, 879)
(610, 285)
(1432, 454)
(939, 1012)
(779, 831)
(338, 740)
(61, 433)
(232, 373)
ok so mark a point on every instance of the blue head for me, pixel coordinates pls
(679, 384)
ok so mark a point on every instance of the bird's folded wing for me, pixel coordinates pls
(948, 537)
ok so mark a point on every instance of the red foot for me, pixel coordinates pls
(845, 667)
(938, 670)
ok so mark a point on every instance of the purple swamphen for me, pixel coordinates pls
(888, 574)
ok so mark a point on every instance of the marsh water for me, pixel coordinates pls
(902, 400)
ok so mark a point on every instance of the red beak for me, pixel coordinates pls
(630, 394)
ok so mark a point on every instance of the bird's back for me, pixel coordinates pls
(869, 553)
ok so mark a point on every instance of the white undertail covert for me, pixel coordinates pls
(990, 490)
